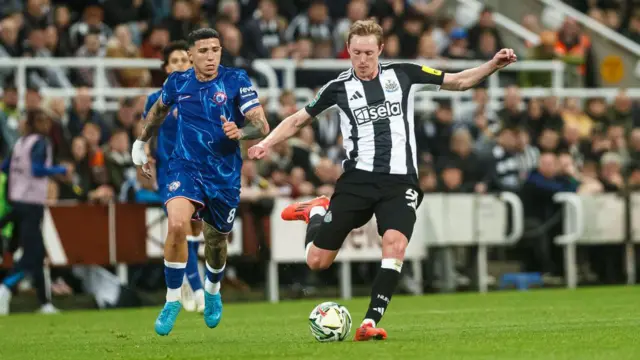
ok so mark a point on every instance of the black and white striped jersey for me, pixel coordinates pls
(376, 116)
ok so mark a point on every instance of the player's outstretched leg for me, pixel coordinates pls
(312, 212)
(175, 261)
(394, 244)
(215, 252)
(191, 272)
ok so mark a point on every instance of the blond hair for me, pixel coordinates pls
(364, 28)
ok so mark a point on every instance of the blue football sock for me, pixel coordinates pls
(212, 281)
(11, 280)
(193, 275)
(173, 276)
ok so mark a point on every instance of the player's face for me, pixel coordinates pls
(205, 56)
(178, 61)
(364, 52)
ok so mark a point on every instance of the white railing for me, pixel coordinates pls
(597, 27)
(106, 97)
(503, 21)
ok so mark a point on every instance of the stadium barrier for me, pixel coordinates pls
(601, 219)
(106, 97)
(120, 234)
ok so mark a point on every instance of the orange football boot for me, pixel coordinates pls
(301, 210)
(367, 332)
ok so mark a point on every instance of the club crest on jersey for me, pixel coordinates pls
(391, 86)
(220, 97)
(174, 186)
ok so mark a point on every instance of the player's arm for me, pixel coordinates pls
(325, 99)
(256, 126)
(288, 127)
(154, 119)
(469, 78)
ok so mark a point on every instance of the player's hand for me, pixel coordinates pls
(258, 151)
(139, 157)
(505, 57)
(230, 129)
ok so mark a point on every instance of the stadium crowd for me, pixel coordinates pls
(533, 147)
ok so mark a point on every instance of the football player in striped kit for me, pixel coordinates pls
(376, 105)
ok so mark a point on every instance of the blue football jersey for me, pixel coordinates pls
(166, 137)
(201, 145)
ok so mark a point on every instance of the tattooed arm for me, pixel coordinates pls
(256, 126)
(154, 120)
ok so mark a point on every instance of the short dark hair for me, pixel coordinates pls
(201, 34)
(179, 45)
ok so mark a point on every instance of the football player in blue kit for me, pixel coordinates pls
(217, 107)
(176, 58)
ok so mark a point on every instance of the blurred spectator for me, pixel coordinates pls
(409, 34)
(544, 51)
(511, 114)
(137, 14)
(574, 48)
(326, 175)
(181, 22)
(434, 136)
(488, 46)
(503, 166)
(391, 48)
(356, 10)
(90, 49)
(121, 46)
(532, 23)
(62, 23)
(549, 140)
(611, 172)
(232, 43)
(451, 179)
(527, 154)
(9, 119)
(426, 7)
(36, 16)
(92, 17)
(620, 112)
(473, 170)
(633, 31)
(271, 25)
(573, 115)
(315, 24)
(9, 44)
(81, 113)
(305, 151)
(156, 40)
(388, 13)
(542, 215)
(458, 48)
(47, 76)
(427, 48)
(485, 24)
(118, 158)
(634, 145)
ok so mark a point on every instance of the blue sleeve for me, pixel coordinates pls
(6, 164)
(247, 97)
(38, 159)
(151, 99)
(169, 89)
(549, 184)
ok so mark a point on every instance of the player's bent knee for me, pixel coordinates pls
(394, 244)
(320, 259)
(178, 227)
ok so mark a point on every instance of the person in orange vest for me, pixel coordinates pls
(574, 49)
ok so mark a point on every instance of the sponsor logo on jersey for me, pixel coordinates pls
(391, 86)
(220, 97)
(431, 71)
(247, 91)
(367, 114)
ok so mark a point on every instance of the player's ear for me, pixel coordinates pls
(381, 48)
(190, 55)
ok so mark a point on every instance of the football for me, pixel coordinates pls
(330, 321)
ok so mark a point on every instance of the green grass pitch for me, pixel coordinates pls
(594, 323)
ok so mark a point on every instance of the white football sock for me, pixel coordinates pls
(317, 210)
(174, 294)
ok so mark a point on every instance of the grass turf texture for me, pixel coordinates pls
(595, 323)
